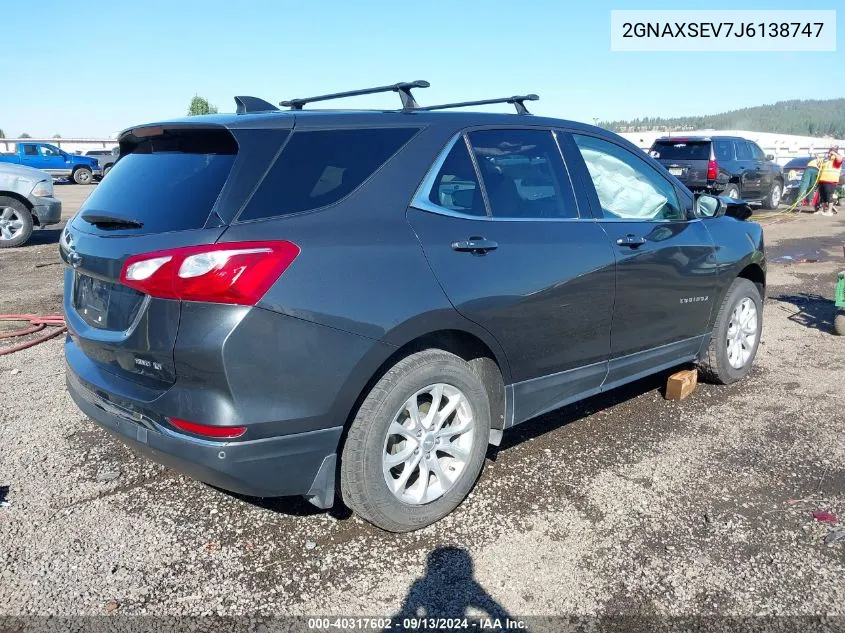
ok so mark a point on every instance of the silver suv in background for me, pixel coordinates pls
(26, 200)
(105, 157)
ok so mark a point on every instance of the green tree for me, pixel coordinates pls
(24, 135)
(57, 136)
(2, 133)
(200, 105)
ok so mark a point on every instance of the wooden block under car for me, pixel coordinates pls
(681, 384)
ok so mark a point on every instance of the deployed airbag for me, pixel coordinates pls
(621, 190)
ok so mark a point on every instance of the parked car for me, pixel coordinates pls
(275, 302)
(794, 172)
(26, 200)
(106, 158)
(724, 165)
(56, 162)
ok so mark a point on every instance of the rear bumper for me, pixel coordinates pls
(47, 210)
(296, 464)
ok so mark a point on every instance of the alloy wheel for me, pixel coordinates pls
(428, 444)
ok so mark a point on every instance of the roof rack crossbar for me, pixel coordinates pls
(246, 105)
(403, 88)
(517, 101)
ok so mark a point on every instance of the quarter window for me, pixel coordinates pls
(318, 168)
(724, 150)
(627, 186)
(523, 173)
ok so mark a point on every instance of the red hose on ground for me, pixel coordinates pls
(37, 324)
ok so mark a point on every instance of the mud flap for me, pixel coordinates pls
(321, 492)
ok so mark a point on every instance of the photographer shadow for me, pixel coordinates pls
(447, 591)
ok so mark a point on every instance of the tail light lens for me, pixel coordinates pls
(238, 273)
(214, 432)
(712, 170)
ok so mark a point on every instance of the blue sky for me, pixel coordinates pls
(96, 71)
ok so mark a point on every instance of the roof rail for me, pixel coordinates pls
(404, 90)
(518, 101)
(246, 105)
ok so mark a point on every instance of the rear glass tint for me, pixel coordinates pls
(681, 150)
(318, 168)
(169, 182)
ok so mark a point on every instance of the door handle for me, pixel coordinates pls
(475, 245)
(631, 240)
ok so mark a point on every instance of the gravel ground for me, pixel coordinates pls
(622, 504)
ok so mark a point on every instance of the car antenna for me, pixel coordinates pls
(517, 101)
(404, 90)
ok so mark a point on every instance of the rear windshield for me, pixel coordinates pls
(168, 182)
(681, 150)
(318, 168)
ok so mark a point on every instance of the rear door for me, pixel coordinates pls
(514, 255)
(762, 169)
(749, 178)
(664, 260)
(170, 189)
(686, 159)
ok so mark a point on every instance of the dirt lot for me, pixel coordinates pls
(625, 503)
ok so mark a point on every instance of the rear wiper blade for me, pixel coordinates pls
(106, 221)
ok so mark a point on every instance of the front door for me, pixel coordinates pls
(52, 161)
(513, 255)
(664, 260)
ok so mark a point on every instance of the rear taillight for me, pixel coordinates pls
(236, 272)
(712, 170)
(214, 432)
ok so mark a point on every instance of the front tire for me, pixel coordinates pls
(417, 444)
(15, 222)
(839, 322)
(83, 176)
(736, 335)
(772, 201)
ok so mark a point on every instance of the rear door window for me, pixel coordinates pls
(523, 173)
(743, 151)
(168, 182)
(318, 168)
(681, 150)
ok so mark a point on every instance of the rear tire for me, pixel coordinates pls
(731, 191)
(731, 352)
(450, 458)
(772, 201)
(15, 222)
(83, 176)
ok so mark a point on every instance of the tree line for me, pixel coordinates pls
(802, 117)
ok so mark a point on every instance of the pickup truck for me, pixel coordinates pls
(56, 162)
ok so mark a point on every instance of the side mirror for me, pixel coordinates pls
(709, 206)
(770, 157)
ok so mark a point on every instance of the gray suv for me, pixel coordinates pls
(356, 303)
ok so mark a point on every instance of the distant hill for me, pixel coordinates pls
(810, 117)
